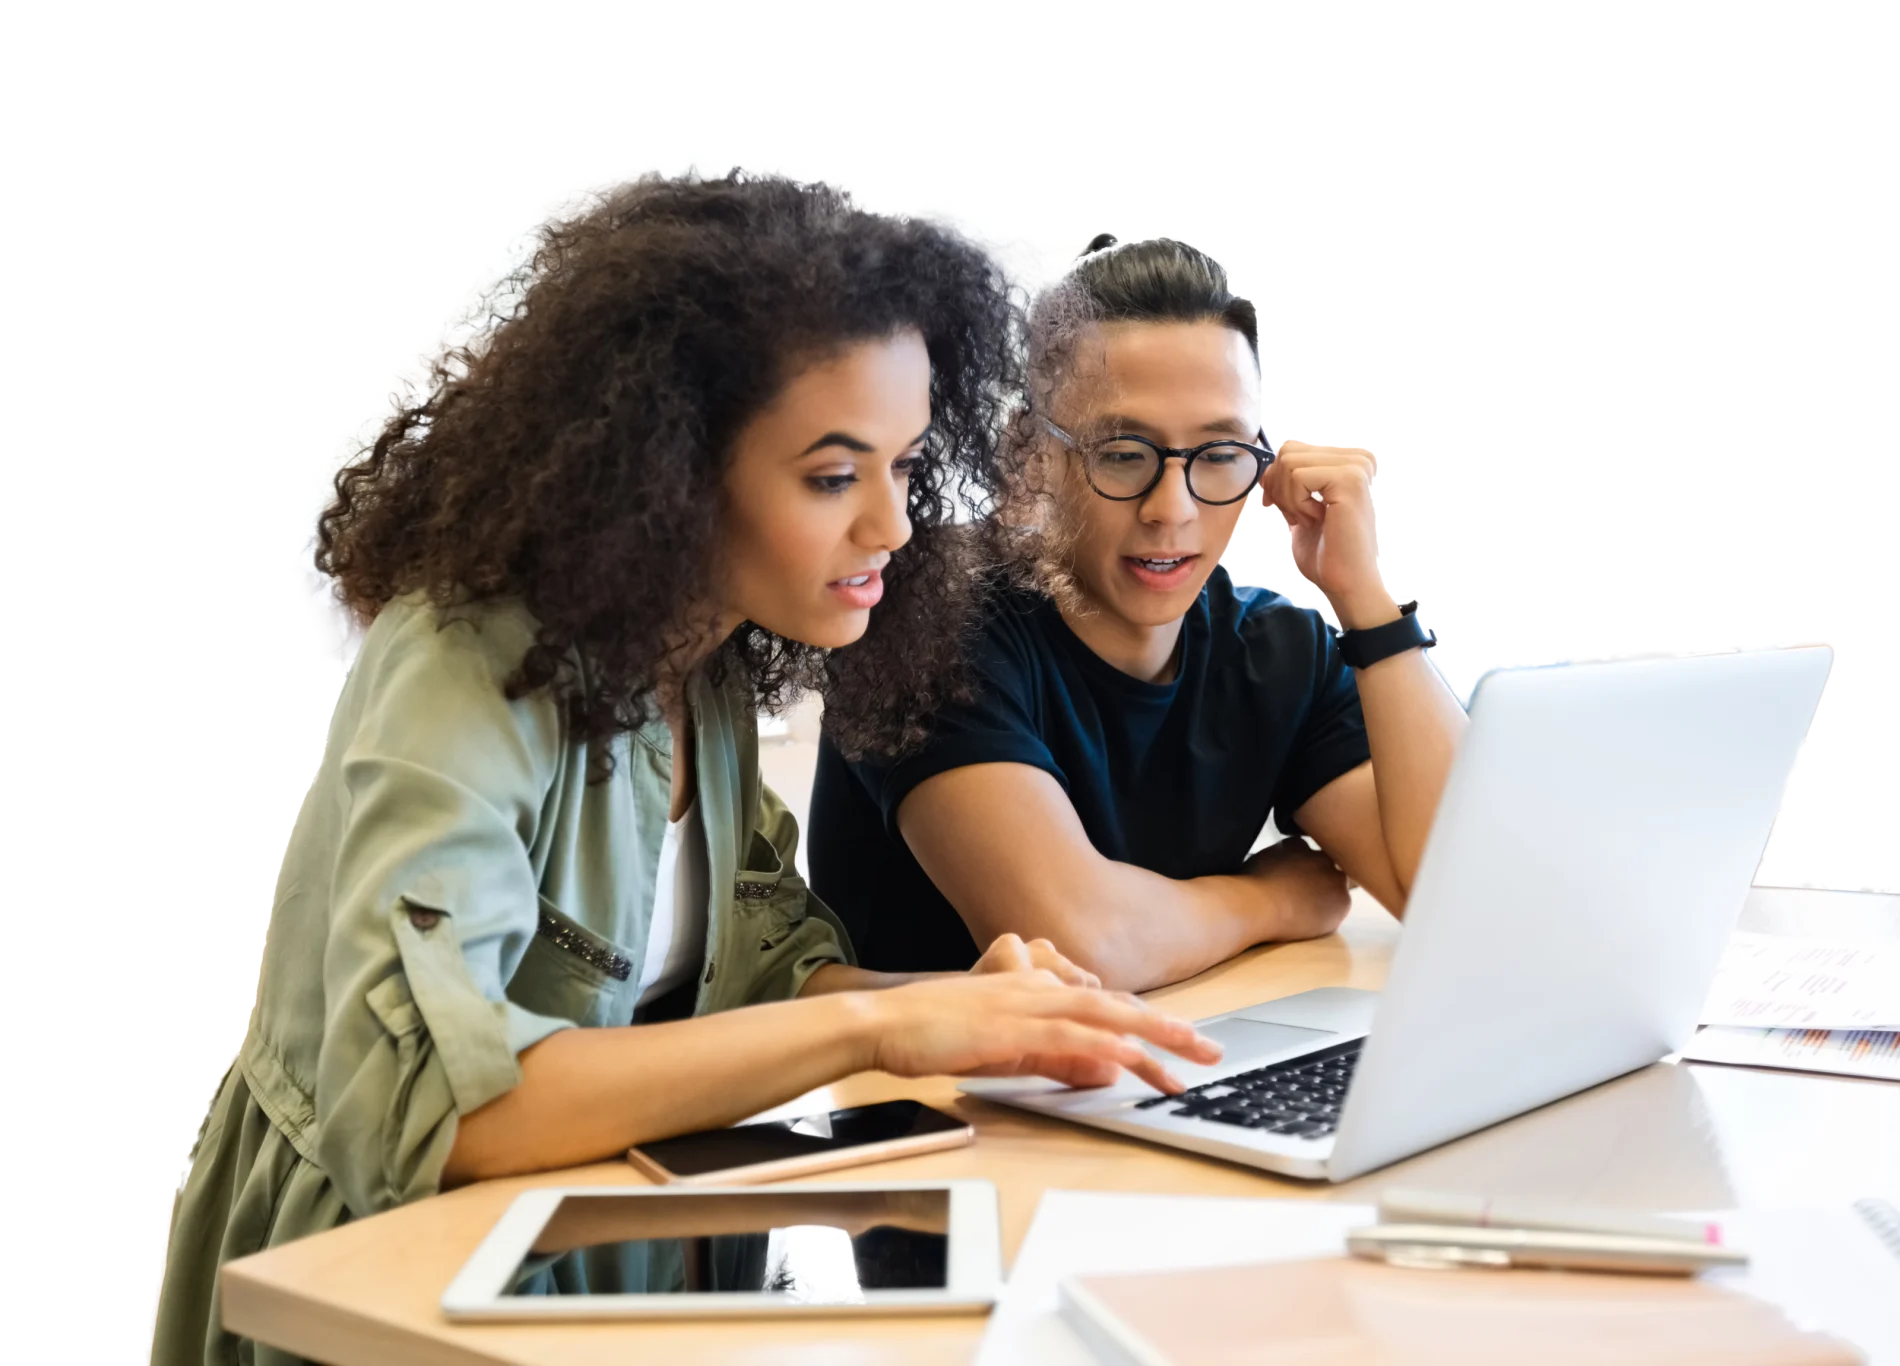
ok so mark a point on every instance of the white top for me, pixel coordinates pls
(676, 941)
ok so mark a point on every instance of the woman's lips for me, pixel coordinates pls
(1160, 572)
(860, 591)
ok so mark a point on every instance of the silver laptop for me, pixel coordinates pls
(1596, 840)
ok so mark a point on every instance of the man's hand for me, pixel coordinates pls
(1008, 953)
(1325, 494)
(1310, 894)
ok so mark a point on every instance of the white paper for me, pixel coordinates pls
(1089, 1233)
(1843, 1052)
(1845, 917)
(1773, 981)
(1825, 1268)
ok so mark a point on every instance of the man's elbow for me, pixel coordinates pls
(1031, 918)
(1391, 894)
(1093, 956)
(1117, 963)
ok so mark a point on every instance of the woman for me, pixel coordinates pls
(538, 906)
(1133, 729)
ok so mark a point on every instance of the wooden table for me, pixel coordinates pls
(1667, 1137)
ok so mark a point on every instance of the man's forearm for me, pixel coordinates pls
(1136, 929)
(1004, 845)
(1413, 725)
(1201, 929)
(836, 977)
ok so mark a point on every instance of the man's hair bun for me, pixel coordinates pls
(1099, 241)
(1157, 281)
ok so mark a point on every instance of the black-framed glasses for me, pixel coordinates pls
(1127, 467)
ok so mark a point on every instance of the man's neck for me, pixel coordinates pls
(1144, 652)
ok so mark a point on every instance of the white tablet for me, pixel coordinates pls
(602, 1252)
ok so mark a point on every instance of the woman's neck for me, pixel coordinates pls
(685, 767)
(672, 696)
(673, 693)
(689, 648)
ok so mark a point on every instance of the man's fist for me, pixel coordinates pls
(1309, 895)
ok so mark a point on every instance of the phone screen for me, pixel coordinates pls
(810, 1247)
(749, 1144)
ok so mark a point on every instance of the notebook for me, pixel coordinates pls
(1834, 1270)
(1341, 1311)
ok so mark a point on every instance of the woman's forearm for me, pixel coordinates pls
(588, 1094)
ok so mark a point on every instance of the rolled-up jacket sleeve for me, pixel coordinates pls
(814, 936)
(434, 902)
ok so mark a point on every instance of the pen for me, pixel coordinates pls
(1425, 1207)
(1455, 1245)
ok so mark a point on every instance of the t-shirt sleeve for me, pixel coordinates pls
(1332, 736)
(998, 725)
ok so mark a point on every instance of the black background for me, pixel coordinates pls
(1564, 470)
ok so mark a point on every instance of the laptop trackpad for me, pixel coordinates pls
(1257, 1038)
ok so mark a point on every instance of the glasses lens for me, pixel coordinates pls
(1122, 468)
(1222, 474)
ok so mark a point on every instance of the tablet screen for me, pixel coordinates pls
(812, 1247)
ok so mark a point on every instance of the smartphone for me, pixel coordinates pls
(781, 1149)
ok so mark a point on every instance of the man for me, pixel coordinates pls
(1132, 733)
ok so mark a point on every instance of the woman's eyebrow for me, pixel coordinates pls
(852, 443)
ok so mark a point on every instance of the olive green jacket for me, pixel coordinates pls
(455, 891)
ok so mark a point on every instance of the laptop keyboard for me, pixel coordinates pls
(1300, 1097)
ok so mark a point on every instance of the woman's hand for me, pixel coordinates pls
(1008, 953)
(1011, 1024)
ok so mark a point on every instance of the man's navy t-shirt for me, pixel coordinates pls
(1175, 777)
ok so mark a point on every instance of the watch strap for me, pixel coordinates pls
(1365, 647)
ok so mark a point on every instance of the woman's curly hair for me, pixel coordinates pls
(571, 454)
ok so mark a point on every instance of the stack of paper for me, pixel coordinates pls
(1783, 1001)
(1847, 1052)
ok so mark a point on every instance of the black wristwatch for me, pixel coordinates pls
(1364, 648)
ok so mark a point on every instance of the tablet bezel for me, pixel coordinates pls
(974, 1273)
